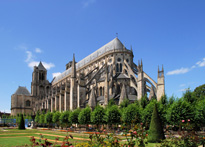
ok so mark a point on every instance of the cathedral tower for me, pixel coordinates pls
(160, 84)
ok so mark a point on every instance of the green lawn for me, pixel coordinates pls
(15, 137)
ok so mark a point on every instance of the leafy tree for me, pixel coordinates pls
(48, 118)
(84, 116)
(73, 117)
(147, 113)
(21, 123)
(64, 119)
(37, 118)
(163, 100)
(124, 103)
(111, 102)
(156, 133)
(171, 100)
(144, 101)
(97, 116)
(42, 118)
(180, 110)
(199, 92)
(131, 114)
(55, 118)
(113, 115)
(200, 113)
(188, 96)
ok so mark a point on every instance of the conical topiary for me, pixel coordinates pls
(156, 133)
(21, 123)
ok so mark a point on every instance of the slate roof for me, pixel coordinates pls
(115, 44)
(22, 91)
(122, 76)
(41, 67)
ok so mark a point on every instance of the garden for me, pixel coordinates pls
(170, 122)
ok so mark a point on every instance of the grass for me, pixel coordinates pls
(15, 137)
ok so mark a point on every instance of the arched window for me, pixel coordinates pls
(120, 67)
(28, 103)
(117, 68)
(100, 91)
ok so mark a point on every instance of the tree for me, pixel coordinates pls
(111, 102)
(131, 114)
(37, 117)
(156, 133)
(180, 110)
(56, 117)
(163, 100)
(21, 123)
(97, 116)
(64, 119)
(48, 118)
(144, 101)
(84, 116)
(147, 113)
(199, 92)
(124, 103)
(42, 118)
(73, 117)
(187, 96)
(200, 113)
(113, 115)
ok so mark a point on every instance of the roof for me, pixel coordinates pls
(115, 44)
(41, 67)
(122, 76)
(22, 91)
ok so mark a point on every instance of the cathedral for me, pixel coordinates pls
(108, 73)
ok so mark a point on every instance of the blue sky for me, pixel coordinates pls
(168, 32)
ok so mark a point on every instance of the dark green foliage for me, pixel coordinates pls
(73, 117)
(37, 118)
(163, 100)
(97, 116)
(144, 101)
(113, 115)
(171, 100)
(64, 119)
(21, 123)
(180, 110)
(48, 118)
(156, 133)
(84, 116)
(111, 102)
(199, 116)
(147, 113)
(124, 103)
(188, 96)
(42, 118)
(131, 114)
(199, 92)
(56, 116)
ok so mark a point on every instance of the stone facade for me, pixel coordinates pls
(108, 73)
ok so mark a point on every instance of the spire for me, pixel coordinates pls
(92, 101)
(162, 68)
(141, 62)
(41, 67)
(73, 73)
(131, 48)
(158, 68)
(123, 94)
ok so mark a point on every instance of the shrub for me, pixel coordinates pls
(21, 123)
(156, 133)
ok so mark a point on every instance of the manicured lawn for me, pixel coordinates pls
(15, 137)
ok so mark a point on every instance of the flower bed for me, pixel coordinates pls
(94, 133)
(65, 130)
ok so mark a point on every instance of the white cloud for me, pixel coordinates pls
(6, 111)
(56, 74)
(182, 85)
(201, 63)
(185, 89)
(178, 71)
(38, 50)
(29, 56)
(88, 2)
(46, 65)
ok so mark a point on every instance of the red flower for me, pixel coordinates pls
(188, 119)
(183, 120)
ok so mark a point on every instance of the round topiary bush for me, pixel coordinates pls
(21, 123)
(156, 133)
